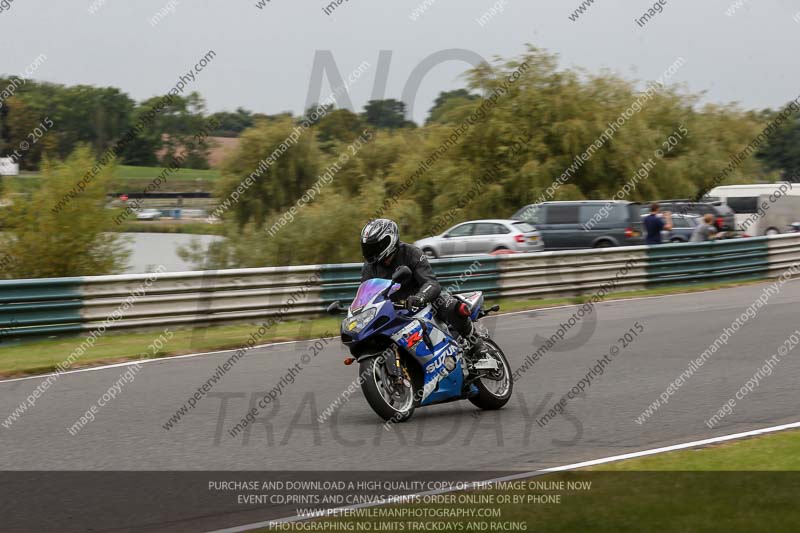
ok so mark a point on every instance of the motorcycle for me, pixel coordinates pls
(413, 359)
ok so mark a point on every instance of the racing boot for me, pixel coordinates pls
(473, 345)
(478, 354)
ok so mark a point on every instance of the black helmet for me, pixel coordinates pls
(379, 239)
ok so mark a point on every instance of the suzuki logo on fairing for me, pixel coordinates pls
(450, 350)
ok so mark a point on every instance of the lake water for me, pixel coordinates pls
(153, 249)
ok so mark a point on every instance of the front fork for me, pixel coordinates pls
(393, 364)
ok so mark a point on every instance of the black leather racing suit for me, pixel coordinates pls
(422, 282)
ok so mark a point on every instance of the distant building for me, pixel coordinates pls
(8, 167)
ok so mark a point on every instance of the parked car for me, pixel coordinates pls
(723, 215)
(585, 224)
(483, 237)
(148, 214)
(682, 228)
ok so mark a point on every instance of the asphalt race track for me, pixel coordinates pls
(128, 433)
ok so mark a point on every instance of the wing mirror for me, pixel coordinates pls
(335, 308)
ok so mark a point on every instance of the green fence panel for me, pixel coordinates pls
(38, 290)
(727, 260)
(340, 282)
(40, 306)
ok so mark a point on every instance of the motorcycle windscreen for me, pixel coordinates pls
(368, 290)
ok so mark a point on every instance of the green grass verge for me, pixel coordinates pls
(748, 485)
(777, 452)
(43, 355)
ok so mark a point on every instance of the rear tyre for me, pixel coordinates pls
(675, 239)
(603, 244)
(375, 386)
(495, 387)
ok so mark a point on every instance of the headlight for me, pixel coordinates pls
(359, 321)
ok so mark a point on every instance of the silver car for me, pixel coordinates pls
(148, 214)
(483, 237)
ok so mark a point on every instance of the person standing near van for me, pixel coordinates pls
(654, 224)
(705, 231)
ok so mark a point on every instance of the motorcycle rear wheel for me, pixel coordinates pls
(376, 390)
(494, 389)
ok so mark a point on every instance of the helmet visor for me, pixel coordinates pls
(372, 251)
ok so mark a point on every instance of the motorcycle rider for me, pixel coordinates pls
(383, 252)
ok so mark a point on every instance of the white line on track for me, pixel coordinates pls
(267, 345)
(162, 360)
(534, 473)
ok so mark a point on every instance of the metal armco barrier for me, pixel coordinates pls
(40, 307)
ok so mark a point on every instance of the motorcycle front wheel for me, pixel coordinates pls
(381, 395)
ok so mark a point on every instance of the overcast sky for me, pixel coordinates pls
(265, 56)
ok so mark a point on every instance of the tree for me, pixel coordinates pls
(512, 150)
(80, 114)
(288, 168)
(317, 112)
(782, 151)
(446, 102)
(170, 132)
(340, 125)
(21, 120)
(77, 240)
(232, 124)
(390, 114)
(88, 115)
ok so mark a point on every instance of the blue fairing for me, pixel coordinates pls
(406, 331)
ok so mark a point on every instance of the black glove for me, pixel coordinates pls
(415, 302)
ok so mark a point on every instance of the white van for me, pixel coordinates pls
(761, 209)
